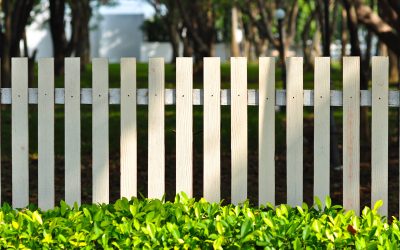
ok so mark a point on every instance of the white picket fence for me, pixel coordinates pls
(211, 97)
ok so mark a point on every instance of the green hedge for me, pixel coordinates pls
(190, 224)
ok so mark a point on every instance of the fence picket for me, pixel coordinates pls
(128, 128)
(294, 137)
(266, 128)
(212, 97)
(72, 131)
(212, 129)
(156, 126)
(321, 126)
(351, 133)
(239, 129)
(100, 167)
(19, 132)
(380, 132)
(184, 125)
(46, 134)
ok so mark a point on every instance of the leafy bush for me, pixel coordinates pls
(190, 224)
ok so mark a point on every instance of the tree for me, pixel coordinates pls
(261, 14)
(155, 29)
(198, 18)
(81, 12)
(79, 42)
(16, 15)
(195, 24)
(171, 21)
(385, 25)
(235, 50)
(61, 48)
(352, 26)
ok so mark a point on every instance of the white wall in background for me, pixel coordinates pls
(118, 36)
(112, 36)
(164, 49)
(155, 49)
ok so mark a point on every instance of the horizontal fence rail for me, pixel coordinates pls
(212, 97)
(142, 95)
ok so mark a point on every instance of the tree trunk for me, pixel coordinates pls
(316, 43)
(235, 50)
(290, 33)
(79, 43)
(171, 22)
(174, 40)
(372, 21)
(16, 15)
(198, 19)
(254, 39)
(344, 32)
(187, 45)
(393, 67)
(326, 30)
(5, 47)
(323, 7)
(57, 30)
(356, 51)
(81, 13)
(282, 53)
(305, 36)
(31, 61)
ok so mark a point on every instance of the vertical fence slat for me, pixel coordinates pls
(380, 132)
(72, 131)
(46, 134)
(212, 129)
(239, 128)
(266, 128)
(321, 126)
(156, 138)
(128, 128)
(100, 168)
(20, 133)
(184, 125)
(351, 133)
(294, 158)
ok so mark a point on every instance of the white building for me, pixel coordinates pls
(112, 35)
(115, 33)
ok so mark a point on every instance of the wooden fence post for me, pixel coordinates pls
(212, 129)
(72, 131)
(20, 132)
(294, 124)
(380, 132)
(322, 109)
(46, 133)
(239, 128)
(351, 133)
(128, 128)
(156, 126)
(100, 167)
(184, 125)
(266, 128)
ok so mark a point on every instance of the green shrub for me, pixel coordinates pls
(190, 224)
